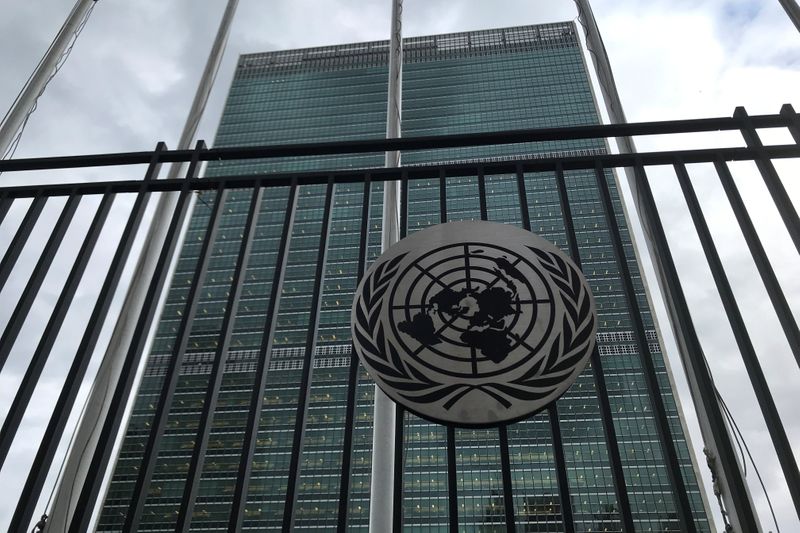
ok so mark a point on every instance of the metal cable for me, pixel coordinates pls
(750, 456)
(742, 443)
(12, 148)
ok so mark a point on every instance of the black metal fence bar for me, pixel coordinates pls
(614, 459)
(565, 500)
(482, 194)
(399, 468)
(45, 345)
(442, 195)
(405, 143)
(695, 363)
(561, 469)
(218, 367)
(305, 381)
(771, 179)
(65, 402)
(161, 412)
(502, 431)
(743, 342)
(452, 473)
(452, 480)
(523, 198)
(508, 490)
(236, 521)
(403, 203)
(545, 164)
(792, 121)
(5, 205)
(21, 237)
(36, 278)
(352, 372)
(681, 496)
(765, 270)
(400, 413)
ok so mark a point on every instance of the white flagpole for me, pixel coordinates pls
(108, 374)
(385, 412)
(616, 115)
(44, 70)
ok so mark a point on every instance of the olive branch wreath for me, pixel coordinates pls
(567, 349)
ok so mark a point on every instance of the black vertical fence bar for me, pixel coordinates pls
(47, 448)
(403, 204)
(792, 121)
(36, 278)
(695, 362)
(523, 199)
(399, 464)
(681, 497)
(161, 412)
(236, 521)
(505, 460)
(749, 356)
(20, 238)
(305, 380)
(612, 444)
(399, 414)
(561, 469)
(35, 366)
(197, 461)
(90, 491)
(552, 410)
(482, 194)
(771, 179)
(5, 205)
(508, 492)
(352, 375)
(765, 270)
(442, 196)
(452, 487)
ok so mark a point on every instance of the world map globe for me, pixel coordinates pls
(466, 308)
(487, 311)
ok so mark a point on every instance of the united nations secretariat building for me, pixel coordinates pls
(473, 329)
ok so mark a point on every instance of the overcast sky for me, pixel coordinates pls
(132, 75)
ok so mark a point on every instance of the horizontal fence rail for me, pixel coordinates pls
(44, 225)
(417, 172)
(786, 120)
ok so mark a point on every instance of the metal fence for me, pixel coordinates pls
(701, 383)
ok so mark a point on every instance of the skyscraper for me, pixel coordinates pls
(514, 78)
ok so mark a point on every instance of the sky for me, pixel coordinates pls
(132, 74)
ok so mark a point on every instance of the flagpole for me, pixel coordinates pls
(740, 516)
(108, 374)
(385, 412)
(34, 87)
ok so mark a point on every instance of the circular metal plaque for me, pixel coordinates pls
(474, 323)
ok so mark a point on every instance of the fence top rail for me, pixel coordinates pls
(665, 127)
(548, 164)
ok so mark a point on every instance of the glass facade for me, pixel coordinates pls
(514, 78)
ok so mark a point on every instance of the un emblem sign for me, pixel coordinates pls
(474, 323)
